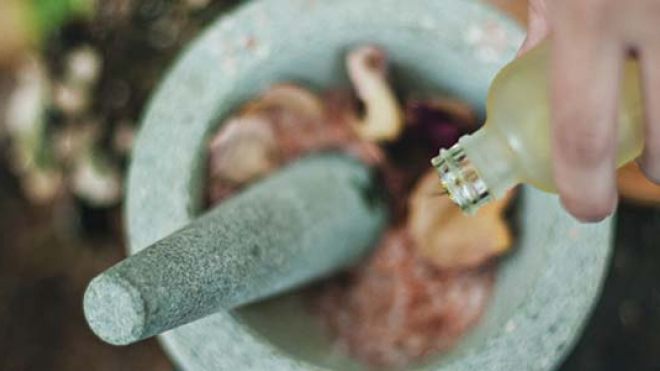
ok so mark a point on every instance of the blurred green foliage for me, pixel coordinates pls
(48, 15)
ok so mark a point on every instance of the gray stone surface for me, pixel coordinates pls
(545, 288)
(304, 222)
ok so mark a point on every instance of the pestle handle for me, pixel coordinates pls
(306, 221)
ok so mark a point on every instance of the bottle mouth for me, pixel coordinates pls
(461, 180)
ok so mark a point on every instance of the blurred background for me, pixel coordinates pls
(74, 79)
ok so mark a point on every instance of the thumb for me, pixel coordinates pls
(538, 25)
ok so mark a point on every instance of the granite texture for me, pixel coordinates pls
(545, 288)
(306, 221)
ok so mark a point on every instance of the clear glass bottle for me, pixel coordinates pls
(513, 146)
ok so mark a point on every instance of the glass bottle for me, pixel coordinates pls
(513, 146)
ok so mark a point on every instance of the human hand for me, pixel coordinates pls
(590, 39)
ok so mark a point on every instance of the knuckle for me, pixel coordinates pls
(592, 12)
(583, 7)
(585, 145)
(537, 7)
(594, 6)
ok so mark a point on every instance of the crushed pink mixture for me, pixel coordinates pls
(396, 308)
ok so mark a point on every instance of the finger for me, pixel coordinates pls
(537, 25)
(586, 69)
(650, 161)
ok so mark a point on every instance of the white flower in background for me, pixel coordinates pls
(83, 66)
(26, 127)
(25, 107)
(96, 180)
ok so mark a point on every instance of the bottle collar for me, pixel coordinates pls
(461, 180)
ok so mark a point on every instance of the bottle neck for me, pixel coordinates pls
(479, 168)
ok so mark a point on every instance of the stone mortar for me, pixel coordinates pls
(545, 289)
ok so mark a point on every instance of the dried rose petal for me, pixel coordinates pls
(451, 239)
(299, 119)
(635, 187)
(440, 121)
(282, 124)
(396, 308)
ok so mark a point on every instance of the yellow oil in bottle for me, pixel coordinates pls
(514, 144)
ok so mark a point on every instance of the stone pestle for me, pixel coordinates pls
(306, 221)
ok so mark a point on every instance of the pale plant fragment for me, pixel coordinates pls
(244, 150)
(288, 97)
(383, 118)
